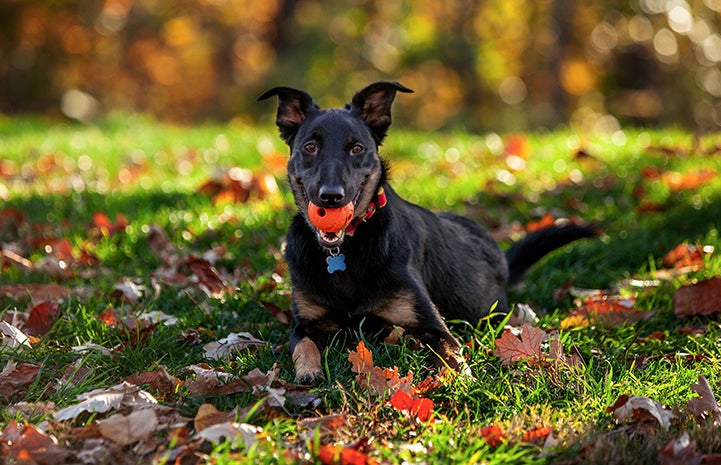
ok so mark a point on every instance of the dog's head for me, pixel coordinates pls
(334, 156)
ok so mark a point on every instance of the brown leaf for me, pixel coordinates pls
(36, 292)
(123, 430)
(511, 348)
(681, 451)
(702, 298)
(208, 416)
(208, 277)
(705, 403)
(34, 446)
(15, 378)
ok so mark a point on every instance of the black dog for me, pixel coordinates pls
(397, 263)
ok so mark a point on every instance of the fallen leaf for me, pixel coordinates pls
(333, 454)
(684, 256)
(641, 408)
(12, 336)
(128, 291)
(208, 416)
(705, 403)
(208, 278)
(33, 446)
(493, 435)
(537, 434)
(124, 430)
(157, 316)
(104, 400)
(231, 431)
(689, 180)
(229, 345)
(511, 348)
(681, 451)
(420, 408)
(376, 379)
(41, 318)
(15, 378)
(702, 298)
(36, 292)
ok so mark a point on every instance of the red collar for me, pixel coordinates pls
(379, 202)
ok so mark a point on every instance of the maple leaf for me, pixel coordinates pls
(511, 348)
(376, 379)
(641, 408)
(705, 403)
(702, 298)
(537, 434)
(333, 454)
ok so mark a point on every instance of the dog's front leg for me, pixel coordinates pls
(417, 315)
(305, 350)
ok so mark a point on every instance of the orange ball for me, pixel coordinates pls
(330, 219)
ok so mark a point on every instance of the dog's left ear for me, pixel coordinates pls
(293, 107)
(374, 105)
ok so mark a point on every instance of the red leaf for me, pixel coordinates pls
(536, 434)
(493, 435)
(544, 222)
(41, 318)
(510, 348)
(15, 378)
(36, 447)
(703, 298)
(401, 401)
(684, 255)
(422, 409)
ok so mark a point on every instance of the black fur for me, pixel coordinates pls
(405, 265)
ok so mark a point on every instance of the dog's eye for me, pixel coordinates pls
(356, 149)
(310, 147)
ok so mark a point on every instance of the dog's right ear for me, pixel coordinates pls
(293, 107)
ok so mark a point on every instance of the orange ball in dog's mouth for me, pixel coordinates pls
(330, 220)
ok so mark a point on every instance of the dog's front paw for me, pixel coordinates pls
(306, 358)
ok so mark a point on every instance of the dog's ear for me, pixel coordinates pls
(293, 107)
(374, 105)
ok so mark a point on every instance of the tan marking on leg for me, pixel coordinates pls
(306, 358)
(308, 310)
(401, 311)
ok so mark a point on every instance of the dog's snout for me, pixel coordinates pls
(331, 195)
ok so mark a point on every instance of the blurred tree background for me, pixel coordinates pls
(476, 64)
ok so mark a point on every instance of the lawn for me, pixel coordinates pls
(145, 303)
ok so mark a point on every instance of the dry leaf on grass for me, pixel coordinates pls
(208, 416)
(705, 403)
(702, 298)
(27, 444)
(229, 345)
(15, 378)
(511, 348)
(124, 430)
(420, 408)
(641, 409)
(12, 336)
(104, 400)
(231, 431)
(681, 451)
(376, 379)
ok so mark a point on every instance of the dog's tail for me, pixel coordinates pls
(524, 253)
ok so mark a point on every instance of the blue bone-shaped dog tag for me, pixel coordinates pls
(335, 263)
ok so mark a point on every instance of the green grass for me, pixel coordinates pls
(60, 175)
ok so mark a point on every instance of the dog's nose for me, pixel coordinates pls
(331, 195)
